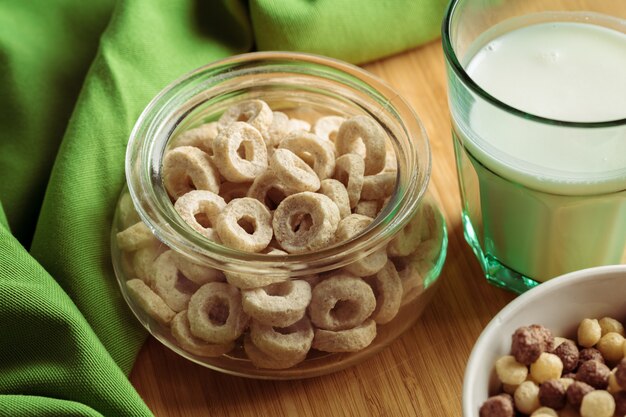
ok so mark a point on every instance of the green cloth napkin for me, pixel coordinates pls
(74, 77)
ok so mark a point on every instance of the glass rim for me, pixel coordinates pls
(455, 64)
(404, 202)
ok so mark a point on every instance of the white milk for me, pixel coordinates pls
(571, 211)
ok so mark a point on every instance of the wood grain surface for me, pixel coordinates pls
(421, 373)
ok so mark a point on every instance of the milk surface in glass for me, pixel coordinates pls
(545, 201)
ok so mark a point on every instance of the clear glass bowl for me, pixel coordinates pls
(306, 87)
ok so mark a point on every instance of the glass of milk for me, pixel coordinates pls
(537, 94)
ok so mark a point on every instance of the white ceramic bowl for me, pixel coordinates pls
(559, 304)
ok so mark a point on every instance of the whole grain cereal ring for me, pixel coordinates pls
(174, 288)
(305, 222)
(195, 272)
(134, 237)
(215, 313)
(293, 172)
(327, 127)
(379, 186)
(239, 153)
(297, 124)
(336, 191)
(256, 113)
(261, 359)
(349, 340)
(150, 302)
(200, 137)
(268, 190)
(190, 343)
(408, 239)
(351, 226)
(278, 129)
(143, 260)
(309, 147)
(245, 224)
(247, 281)
(200, 210)
(367, 208)
(388, 290)
(126, 213)
(391, 162)
(341, 302)
(279, 304)
(349, 170)
(188, 168)
(290, 341)
(373, 137)
(231, 190)
(412, 276)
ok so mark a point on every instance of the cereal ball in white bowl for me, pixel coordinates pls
(558, 306)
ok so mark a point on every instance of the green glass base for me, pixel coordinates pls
(496, 272)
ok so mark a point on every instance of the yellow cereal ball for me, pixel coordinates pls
(613, 385)
(509, 388)
(510, 371)
(547, 366)
(544, 412)
(611, 345)
(589, 332)
(527, 397)
(597, 403)
(566, 382)
(608, 325)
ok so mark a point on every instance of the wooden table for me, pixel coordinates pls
(421, 373)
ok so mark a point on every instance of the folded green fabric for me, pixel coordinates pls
(74, 77)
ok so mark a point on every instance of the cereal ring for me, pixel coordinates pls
(248, 281)
(373, 137)
(379, 186)
(297, 124)
(412, 276)
(305, 222)
(391, 163)
(200, 137)
(231, 190)
(291, 341)
(408, 239)
(149, 302)
(126, 213)
(256, 113)
(190, 343)
(280, 304)
(310, 148)
(351, 226)
(349, 340)
(327, 127)
(135, 237)
(143, 260)
(245, 224)
(174, 288)
(388, 290)
(240, 154)
(195, 272)
(291, 171)
(349, 171)
(278, 129)
(188, 168)
(341, 302)
(261, 359)
(215, 313)
(268, 190)
(200, 210)
(367, 208)
(336, 191)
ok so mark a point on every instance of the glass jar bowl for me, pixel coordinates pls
(305, 87)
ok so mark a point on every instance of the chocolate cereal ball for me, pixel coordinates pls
(590, 354)
(620, 403)
(594, 373)
(576, 392)
(528, 343)
(552, 394)
(620, 374)
(569, 355)
(497, 406)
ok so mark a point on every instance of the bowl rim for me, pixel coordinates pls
(474, 362)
